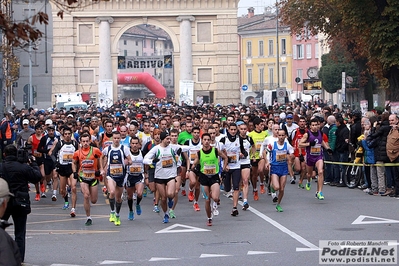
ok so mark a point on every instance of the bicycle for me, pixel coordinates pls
(353, 175)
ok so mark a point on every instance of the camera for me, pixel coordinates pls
(24, 154)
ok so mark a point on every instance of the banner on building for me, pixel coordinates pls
(168, 61)
(364, 106)
(105, 93)
(121, 62)
(186, 92)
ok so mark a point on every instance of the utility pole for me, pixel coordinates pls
(277, 44)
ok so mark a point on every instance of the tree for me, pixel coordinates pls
(368, 28)
(20, 33)
(333, 64)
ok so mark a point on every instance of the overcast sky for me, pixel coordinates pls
(259, 6)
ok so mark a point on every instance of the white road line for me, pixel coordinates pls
(260, 252)
(213, 256)
(163, 259)
(303, 241)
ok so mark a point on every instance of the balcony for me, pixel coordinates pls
(263, 86)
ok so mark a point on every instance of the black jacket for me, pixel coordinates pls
(342, 133)
(379, 142)
(9, 251)
(355, 132)
(18, 175)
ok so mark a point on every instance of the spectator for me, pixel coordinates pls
(341, 152)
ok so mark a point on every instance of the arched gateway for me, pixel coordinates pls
(203, 34)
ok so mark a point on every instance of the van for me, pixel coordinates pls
(75, 105)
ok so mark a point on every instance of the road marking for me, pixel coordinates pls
(105, 262)
(377, 220)
(213, 256)
(260, 252)
(188, 229)
(66, 232)
(162, 259)
(70, 219)
(303, 241)
(57, 264)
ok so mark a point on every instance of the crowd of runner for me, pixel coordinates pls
(146, 146)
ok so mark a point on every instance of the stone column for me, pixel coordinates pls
(186, 56)
(105, 62)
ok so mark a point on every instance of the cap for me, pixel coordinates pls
(289, 116)
(49, 122)
(276, 114)
(239, 123)
(4, 191)
(25, 122)
(164, 134)
(70, 115)
(139, 116)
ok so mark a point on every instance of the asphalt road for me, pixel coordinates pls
(258, 236)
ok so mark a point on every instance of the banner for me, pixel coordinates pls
(121, 62)
(364, 105)
(311, 86)
(168, 61)
(186, 92)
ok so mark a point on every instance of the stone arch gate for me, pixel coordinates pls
(203, 33)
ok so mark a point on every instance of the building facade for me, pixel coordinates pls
(203, 34)
(265, 57)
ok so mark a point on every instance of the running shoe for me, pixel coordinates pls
(166, 218)
(170, 203)
(172, 214)
(112, 217)
(183, 193)
(156, 209)
(209, 223)
(42, 188)
(215, 210)
(256, 196)
(66, 206)
(88, 222)
(138, 209)
(293, 178)
(37, 197)
(308, 185)
(319, 195)
(204, 196)
(240, 196)
(196, 207)
(245, 206)
(274, 196)
(229, 194)
(234, 212)
(117, 221)
(301, 186)
(73, 214)
(130, 217)
(262, 189)
(145, 192)
(190, 196)
(43, 195)
(278, 208)
(134, 196)
(54, 198)
(105, 191)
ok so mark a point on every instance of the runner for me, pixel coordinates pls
(64, 150)
(313, 141)
(299, 153)
(105, 140)
(194, 189)
(258, 135)
(249, 148)
(208, 160)
(165, 171)
(135, 177)
(34, 141)
(233, 176)
(86, 167)
(278, 164)
(115, 158)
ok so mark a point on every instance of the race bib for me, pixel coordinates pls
(193, 155)
(232, 157)
(87, 164)
(258, 145)
(107, 143)
(37, 154)
(167, 161)
(315, 150)
(135, 168)
(87, 173)
(116, 169)
(67, 157)
(210, 169)
(281, 156)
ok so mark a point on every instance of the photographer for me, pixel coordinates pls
(17, 175)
